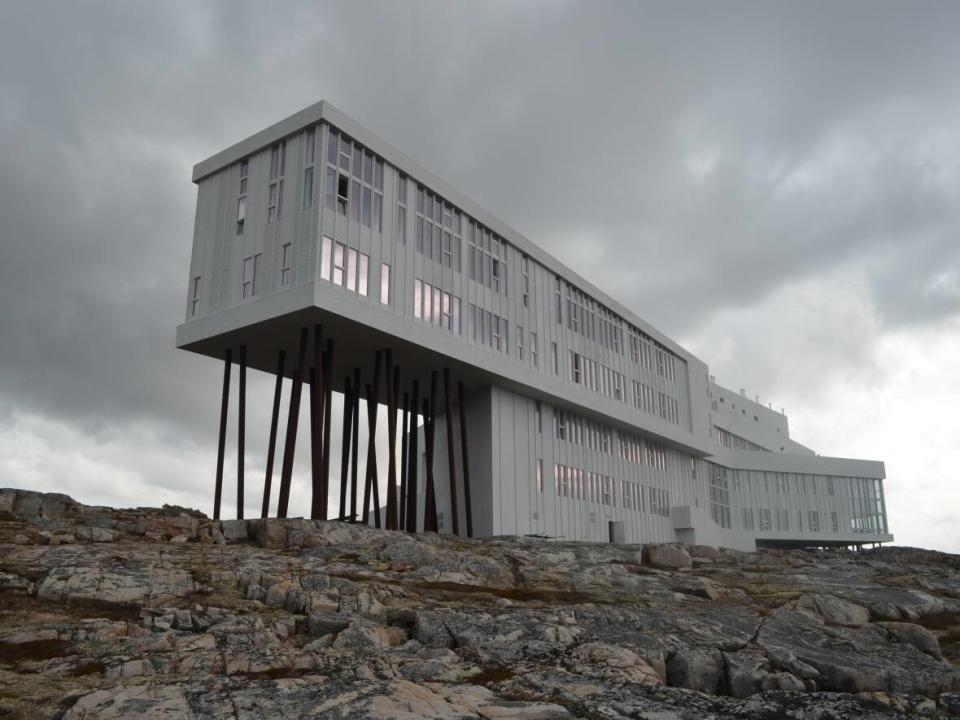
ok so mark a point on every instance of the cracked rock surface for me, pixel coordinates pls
(163, 613)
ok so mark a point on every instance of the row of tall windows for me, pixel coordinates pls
(354, 182)
(242, 195)
(578, 484)
(648, 353)
(659, 502)
(594, 376)
(309, 153)
(487, 328)
(866, 506)
(350, 268)
(438, 231)
(642, 451)
(592, 320)
(250, 277)
(436, 306)
(643, 397)
(719, 496)
(669, 408)
(534, 353)
(278, 168)
(488, 258)
(780, 522)
(402, 209)
(727, 439)
(580, 431)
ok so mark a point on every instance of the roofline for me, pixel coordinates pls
(323, 111)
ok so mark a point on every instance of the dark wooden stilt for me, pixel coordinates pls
(402, 499)
(241, 427)
(451, 460)
(412, 470)
(370, 476)
(345, 447)
(327, 410)
(224, 406)
(272, 443)
(355, 439)
(314, 433)
(429, 495)
(316, 417)
(393, 381)
(465, 458)
(293, 418)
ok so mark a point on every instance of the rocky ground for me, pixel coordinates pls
(162, 613)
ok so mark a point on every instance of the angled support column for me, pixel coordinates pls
(313, 381)
(429, 496)
(272, 442)
(327, 410)
(412, 470)
(345, 447)
(466, 459)
(354, 452)
(224, 406)
(393, 393)
(370, 481)
(290, 446)
(316, 417)
(404, 437)
(241, 427)
(451, 460)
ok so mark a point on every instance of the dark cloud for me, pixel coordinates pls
(696, 159)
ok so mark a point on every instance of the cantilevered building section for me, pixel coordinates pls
(520, 398)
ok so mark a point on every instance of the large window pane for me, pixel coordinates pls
(351, 269)
(364, 266)
(384, 284)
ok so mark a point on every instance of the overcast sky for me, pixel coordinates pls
(776, 186)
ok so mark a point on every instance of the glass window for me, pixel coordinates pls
(447, 312)
(355, 204)
(339, 251)
(456, 315)
(417, 298)
(539, 476)
(285, 260)
(246, 288)
(311, 140)
(241, 214)
(330, 188)
(436, 305)
(325, 257)
(307, 187)
(364, 267)
(351, 269)
(274, 161)
(195, 296)
(367, 168)
(384, 284)
(365, 219)
(332, 148)
(519, 342)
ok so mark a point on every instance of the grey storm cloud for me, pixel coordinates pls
(689, 157)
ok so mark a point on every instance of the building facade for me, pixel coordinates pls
(578, 419)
